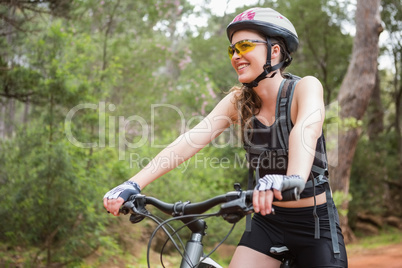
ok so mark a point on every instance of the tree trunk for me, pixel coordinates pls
(375, 112)
(398, 106)
(10, 118)
(2, 119)
(25, 115)
(354, 96)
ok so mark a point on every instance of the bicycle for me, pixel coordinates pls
(234, 206)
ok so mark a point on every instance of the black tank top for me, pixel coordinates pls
(274, 160)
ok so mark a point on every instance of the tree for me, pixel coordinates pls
(354, 95)
(392, 11)
(19, 19)
(375, 112)
(324, 48)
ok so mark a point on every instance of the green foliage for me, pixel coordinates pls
(53, 187)
(52, 206)
(20, 82)
(332, 117)
(368, 183)
(388, 236)
(340, 198)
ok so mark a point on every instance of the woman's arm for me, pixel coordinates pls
(183, 148)
(308, 114)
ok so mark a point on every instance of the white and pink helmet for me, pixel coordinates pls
(271, 24)
(266, 21)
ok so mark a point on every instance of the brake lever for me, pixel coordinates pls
(136, 207)
(234, 210)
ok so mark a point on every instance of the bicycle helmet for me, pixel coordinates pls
(271, 24)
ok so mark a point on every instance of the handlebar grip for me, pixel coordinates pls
(291, 194)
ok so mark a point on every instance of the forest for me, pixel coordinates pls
(91, 90)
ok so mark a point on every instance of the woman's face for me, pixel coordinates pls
(249, 65)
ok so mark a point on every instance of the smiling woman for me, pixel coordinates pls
(247, 57)
(263, 101)
(281, 118)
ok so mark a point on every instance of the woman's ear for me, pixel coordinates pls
(275, 51)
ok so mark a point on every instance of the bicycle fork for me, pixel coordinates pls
(193, 255)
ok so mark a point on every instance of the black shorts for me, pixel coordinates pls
(294, 228)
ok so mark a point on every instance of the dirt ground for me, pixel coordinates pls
(388, 256)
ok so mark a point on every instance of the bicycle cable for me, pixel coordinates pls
(170, 236)
(220, 243)
(160, 226)
(160, 221)
(198, 217)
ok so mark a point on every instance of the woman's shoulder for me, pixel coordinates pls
(232, 96)
(308, 98)
(235, 92)
(227, 105)
(309, 85)
(310, 79)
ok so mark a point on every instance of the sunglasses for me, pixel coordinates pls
(244, 46)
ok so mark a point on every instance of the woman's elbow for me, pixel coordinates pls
(311, 134)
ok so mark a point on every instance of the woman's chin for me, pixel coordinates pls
(245, 80)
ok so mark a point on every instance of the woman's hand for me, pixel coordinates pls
(262, 200)
(113, 205)
(272, 185)
(115, 198)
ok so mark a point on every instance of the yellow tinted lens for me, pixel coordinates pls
(230, 52)
(241, 48)
(244, 47)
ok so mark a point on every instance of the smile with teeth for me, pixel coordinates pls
(242, 66)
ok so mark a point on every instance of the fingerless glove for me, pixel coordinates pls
(124, 190)
(280, 182)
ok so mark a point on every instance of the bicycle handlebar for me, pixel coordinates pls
(235, 205)
(235, 202)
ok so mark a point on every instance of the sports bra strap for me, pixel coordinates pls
(283, 110)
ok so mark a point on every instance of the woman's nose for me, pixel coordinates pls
(236, 55)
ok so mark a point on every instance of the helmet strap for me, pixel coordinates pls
(267, 68)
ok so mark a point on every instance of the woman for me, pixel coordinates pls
(281, 118)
